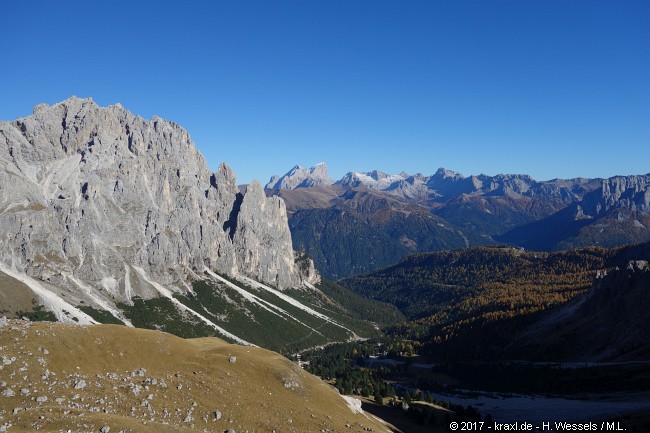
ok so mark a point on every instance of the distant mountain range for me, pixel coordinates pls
(368, 220)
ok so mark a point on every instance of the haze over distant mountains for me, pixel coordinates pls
(368, 220)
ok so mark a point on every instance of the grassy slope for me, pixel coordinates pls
(14, 296)
(349, 303)
(261, 391)
(272, 322)
(286, 331)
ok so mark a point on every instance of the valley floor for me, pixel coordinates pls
(538, 409)
(398, 421)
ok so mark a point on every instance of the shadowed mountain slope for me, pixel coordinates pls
(611, 322)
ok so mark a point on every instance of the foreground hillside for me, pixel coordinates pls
(61, 377)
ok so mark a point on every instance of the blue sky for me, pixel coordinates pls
(543, 87)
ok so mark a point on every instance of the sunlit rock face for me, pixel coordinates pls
(89, 193)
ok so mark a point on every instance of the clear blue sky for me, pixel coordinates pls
(543, 87)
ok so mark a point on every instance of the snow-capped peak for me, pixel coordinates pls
(375, 179)
(300, 177)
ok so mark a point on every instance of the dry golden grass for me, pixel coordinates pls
(147, 381)
(14, 296)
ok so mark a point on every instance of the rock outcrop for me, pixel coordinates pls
(96, 197)
(262, 239)
(619, 192)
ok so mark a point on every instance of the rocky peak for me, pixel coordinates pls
(443, 173)
(507, 185)
(447, 183)
(377, 175)
(375, 179)
(260, 238)
(90, 195)
(300, 177)
(319, 169)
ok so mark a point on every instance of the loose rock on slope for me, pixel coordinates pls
(148, 381)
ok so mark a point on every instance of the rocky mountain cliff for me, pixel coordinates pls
(418, 213)
(620, 192)
(613, 212)
(101, 205)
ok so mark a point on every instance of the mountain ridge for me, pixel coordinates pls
(445, 183)
(512, 209)
(106, 216)
(76, 158)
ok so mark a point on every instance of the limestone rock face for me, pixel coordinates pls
(89, 193)
(262, 239)
(625, 192)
